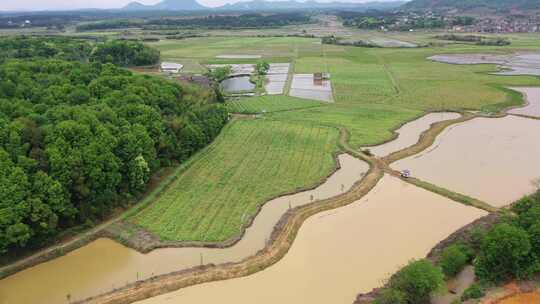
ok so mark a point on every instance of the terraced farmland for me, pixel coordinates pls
(250, 162)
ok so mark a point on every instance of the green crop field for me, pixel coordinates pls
(271, 103)
(251, 161)
(291, 145)
(368, 124)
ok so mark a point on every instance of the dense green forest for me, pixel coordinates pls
(119, 52)
(210, 22)
(78, 139)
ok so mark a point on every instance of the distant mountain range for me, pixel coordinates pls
(473, 5)
(169, 5)
(258, 5)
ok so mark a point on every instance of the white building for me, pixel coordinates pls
(171, 67)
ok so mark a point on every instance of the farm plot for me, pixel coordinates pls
(251, 162)
(211, 47)
(268, 104)
(308, 87)
(367, 124)
(276, 78)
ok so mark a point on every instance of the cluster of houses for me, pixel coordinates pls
(25, 23)
(511, 24)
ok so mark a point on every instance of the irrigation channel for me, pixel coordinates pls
(349, 233)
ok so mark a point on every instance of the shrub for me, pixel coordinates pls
(477, 237)
(417, 281)
(524, 204)
(529, 217)
(453, 260)
(505, 254)
(390, 296)
(473, 292)
(534, 238)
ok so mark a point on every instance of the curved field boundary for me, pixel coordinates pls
(279, 244)
(152, 241)
(284, 232)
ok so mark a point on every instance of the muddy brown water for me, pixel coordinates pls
(532, 95)
(410, 133)
(492, 159)
(339, 253)
(104, 264)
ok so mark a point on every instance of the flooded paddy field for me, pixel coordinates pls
(276, 78)
(306, 86)
(104, 264)
(532, 96)
(236, 69)
(509, 64)
(492, 159)
(339, 253)
(409, 133)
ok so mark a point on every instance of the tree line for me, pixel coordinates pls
(252, 20)
(79, 139)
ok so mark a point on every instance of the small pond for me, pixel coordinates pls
(236, 84)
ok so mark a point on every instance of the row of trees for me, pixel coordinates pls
(80, 139)
(212, 22)
(508, 250)
(479, 40)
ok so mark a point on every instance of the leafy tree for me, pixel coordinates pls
(262, 67)
(417, 281)
(220, 73)
(473, 292)
(453, 260)
(530, 217)
(505, 254)
(390, 296)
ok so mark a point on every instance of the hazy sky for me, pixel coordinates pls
(73, 4)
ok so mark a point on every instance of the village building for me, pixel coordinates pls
(171, 67)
